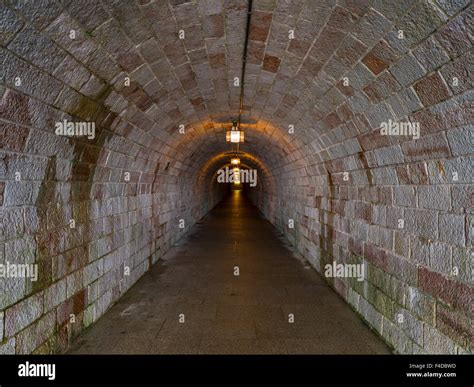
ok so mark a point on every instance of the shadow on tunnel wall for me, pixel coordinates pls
(92, 219)
(95, 214)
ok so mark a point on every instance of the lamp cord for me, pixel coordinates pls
(244, 63)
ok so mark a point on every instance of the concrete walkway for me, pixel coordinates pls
(224, 313)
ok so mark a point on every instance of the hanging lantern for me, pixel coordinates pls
(234, 135)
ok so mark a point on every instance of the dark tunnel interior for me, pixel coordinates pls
(358, 124)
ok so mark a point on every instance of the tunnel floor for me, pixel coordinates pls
(191, 301)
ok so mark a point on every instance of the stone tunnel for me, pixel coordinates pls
(357, 117)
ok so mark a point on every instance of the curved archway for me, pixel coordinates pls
(312, 109)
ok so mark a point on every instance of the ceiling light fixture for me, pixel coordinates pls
(235, 135)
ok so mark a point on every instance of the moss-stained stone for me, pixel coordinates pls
(384, 304)
(398, 290)
(346, 185)
(400, 341)
(420, 304)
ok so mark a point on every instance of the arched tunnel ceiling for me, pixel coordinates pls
(297, 53)
(195, 75)
(313, 66)
(320, 78)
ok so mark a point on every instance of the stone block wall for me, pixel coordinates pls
(69, 207)
(401, 206)
(161, 82)
(92, 214)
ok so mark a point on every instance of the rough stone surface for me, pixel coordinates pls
(332, 71)
(432, 89)
(2, 318)
(227, 314)
(23, 314)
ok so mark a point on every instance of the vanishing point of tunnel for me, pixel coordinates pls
(236, 176)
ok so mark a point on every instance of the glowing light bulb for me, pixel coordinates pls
(236, 175)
